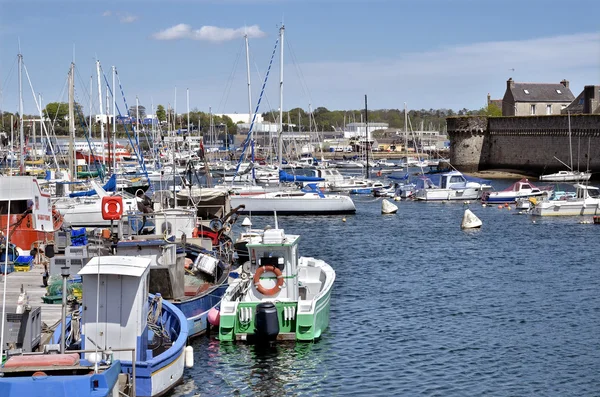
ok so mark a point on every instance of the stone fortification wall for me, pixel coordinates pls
(529, 144)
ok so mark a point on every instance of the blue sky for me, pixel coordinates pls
(428, 53)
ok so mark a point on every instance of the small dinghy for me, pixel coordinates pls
(470, 220)
(387, 207)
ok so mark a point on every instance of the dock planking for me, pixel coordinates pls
(32, 284)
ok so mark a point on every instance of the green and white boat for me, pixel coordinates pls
(279, 295)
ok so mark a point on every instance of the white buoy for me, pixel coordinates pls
(189, 356)
(387, 207)
(246, 222)
(470, 220)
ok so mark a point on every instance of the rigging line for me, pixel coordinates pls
(39, 108)
(266, 95)
(10, 72)
(303, 83)
(139, 157)
(87, 138)
(229, 84)
(86, 93)
(247, 140)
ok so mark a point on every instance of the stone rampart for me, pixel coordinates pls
(530, 144)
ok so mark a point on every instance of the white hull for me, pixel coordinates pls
(309, 203)
(567, 208)
(447, 194)
(87, 212)
(566, 176)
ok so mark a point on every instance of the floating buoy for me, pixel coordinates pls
(214, 316)
(484, 205)
(344, 219)
(500, 207)
(387, 207)
(470, 220)
(189, 356)
(396, 198)
(506, 205)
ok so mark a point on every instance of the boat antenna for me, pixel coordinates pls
(276, 223)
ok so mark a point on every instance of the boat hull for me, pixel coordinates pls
(566, 208)
(447, 194)
(196, 309)
(332, 205)
(24, 235)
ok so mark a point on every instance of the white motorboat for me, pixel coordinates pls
(520, 189)
(453, 186)
(585, 202)
(567, 176)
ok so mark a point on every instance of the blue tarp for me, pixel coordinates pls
(285, 177)
(110, 186)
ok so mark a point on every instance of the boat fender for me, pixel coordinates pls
(189, 356)
(278, 284)
(214, 316)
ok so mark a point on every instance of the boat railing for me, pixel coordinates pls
(107, 353)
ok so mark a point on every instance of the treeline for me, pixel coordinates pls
(335, 120)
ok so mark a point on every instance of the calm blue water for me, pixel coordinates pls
(421, 307)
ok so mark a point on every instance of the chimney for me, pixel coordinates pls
(510, 84)
(565, 83)
(489, 99)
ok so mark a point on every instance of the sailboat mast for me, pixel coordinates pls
(570, 148)
(21, 133)
(367, 136)
(72, 163)
(248, 80)
(101, 108)
(406, 135)
(114, 112)
(187, 94)
(280, 140)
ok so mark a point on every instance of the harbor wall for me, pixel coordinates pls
(528, 144)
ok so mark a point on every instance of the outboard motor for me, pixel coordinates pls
(267, 323)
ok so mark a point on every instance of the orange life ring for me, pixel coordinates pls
(263, 290)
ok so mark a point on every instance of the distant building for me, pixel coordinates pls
(242, 117)
(586, 103)
(496, 102)
(357, 130)
(535, 99)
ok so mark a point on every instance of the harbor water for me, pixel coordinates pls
(421, 307)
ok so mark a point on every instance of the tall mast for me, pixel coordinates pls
(367, 136)
(137, 121)
(21, 133)
(280, 140)
(570, 148)
(248, 80)
(114, 112)
(101, 108)
(72, 164)
(90, 118)
(187, 94)
(406, 134)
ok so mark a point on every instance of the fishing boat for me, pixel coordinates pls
(585, 202)
(66, 375)
(520, 189)
(122, 317)
(279, 295)
(453, 186)
(28, 210)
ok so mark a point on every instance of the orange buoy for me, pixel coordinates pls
(500, 207)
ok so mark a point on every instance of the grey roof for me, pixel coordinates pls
(541, 92)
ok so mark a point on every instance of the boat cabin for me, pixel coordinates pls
(584, 192)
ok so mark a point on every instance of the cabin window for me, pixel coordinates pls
(548, 109)
(16, 206)
(595, 193)
(456, 179)
(532, 112)
(525, 186)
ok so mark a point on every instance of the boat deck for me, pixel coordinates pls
(32, 284)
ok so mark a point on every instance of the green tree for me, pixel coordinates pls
(491, 110)
(56, 112)
(161, 113)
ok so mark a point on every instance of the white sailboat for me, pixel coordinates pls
(570, 175)
(292, 201)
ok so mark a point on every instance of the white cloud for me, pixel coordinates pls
(128, 18)
(454, 76)
(207, 33)
(122, 17)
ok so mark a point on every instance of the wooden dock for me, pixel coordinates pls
(32, 284)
